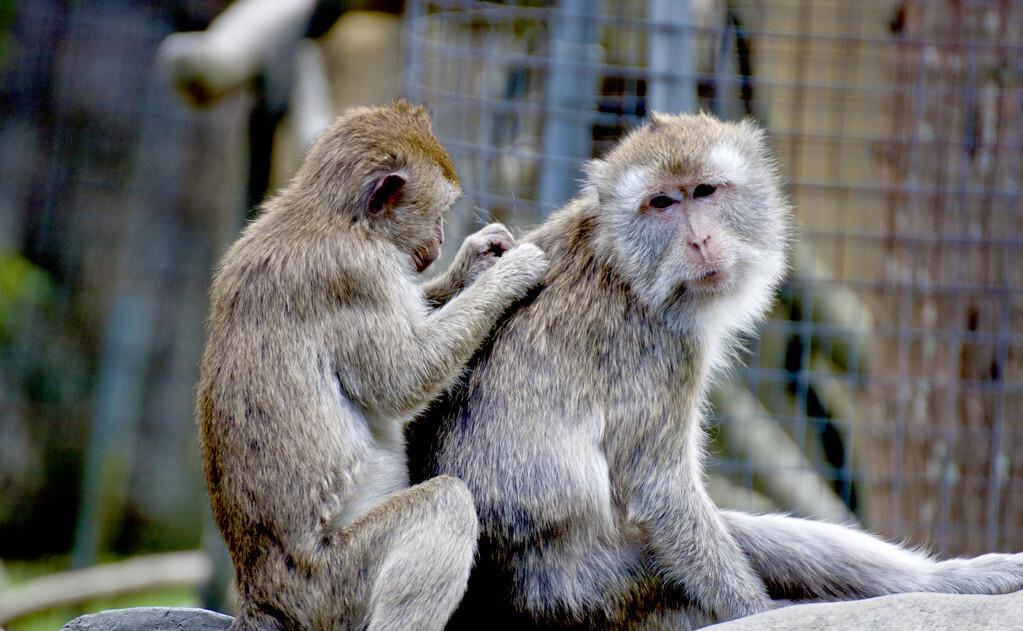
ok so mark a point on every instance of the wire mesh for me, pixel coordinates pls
(893, 363)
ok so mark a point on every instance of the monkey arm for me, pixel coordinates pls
(413, 363)
(800, 559)
(443, 287)
(421, 357)
(422, 362)
(692, 546)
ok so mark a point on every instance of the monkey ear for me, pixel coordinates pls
(751, 127)
(596, 173)
(657, 120)
(387, 193)
(595, 170)
(423, 116)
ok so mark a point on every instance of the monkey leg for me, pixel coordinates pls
(409, 557)
(801, 559)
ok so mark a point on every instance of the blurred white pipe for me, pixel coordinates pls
(205, 65)
(142, 573)
(311, 108)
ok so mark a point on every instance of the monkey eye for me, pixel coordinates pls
(661, 201)
(704, 190)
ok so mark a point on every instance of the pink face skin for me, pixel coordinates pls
(692, 207)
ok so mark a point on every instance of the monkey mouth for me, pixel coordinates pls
(712, 280)
(424, 256)
(421, 261)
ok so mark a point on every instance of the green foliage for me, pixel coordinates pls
(45, 384)
(56, 618)
(45, 361)
(23, 287)
(6, 19)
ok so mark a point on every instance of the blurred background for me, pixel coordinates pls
(137, 136)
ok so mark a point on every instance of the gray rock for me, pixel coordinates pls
(151, 619)
(901, 612)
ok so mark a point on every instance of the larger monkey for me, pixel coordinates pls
(578, 427)
(321, 346)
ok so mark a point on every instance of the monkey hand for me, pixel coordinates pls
(481, 250)
(519, 269)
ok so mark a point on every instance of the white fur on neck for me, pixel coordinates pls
(719, 323)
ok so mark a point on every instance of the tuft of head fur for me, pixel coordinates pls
(366, 140)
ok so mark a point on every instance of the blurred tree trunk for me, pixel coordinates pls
(183, 200)
(123, 196)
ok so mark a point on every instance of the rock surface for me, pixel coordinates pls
(151, 619)
(900, 612)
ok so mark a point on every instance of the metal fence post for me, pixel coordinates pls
(571, 95)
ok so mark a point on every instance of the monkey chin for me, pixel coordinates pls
(712, 281)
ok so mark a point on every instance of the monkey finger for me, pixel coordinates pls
(495, 227)
(498, 244)
(491, 245)
(499, 232)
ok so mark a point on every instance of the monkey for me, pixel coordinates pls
(321, 346)
(577, 425)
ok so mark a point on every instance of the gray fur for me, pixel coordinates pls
(578, 426)
(801, 559)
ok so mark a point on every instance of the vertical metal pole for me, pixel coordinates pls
(571, 95)
(118, 398)
(414, 50)
(726, 79)
(671, 57)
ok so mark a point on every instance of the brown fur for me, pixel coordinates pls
(321, 346)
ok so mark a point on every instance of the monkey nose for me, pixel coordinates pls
(700, 249)
(699, 244)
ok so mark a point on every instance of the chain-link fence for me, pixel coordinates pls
(885, 388)
(888, 384)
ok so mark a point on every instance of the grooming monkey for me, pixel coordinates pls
(577, 427)
(321, 346)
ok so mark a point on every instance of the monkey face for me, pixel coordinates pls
(408, 206)
(416, 226)
(692, 214)
(688, 214)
